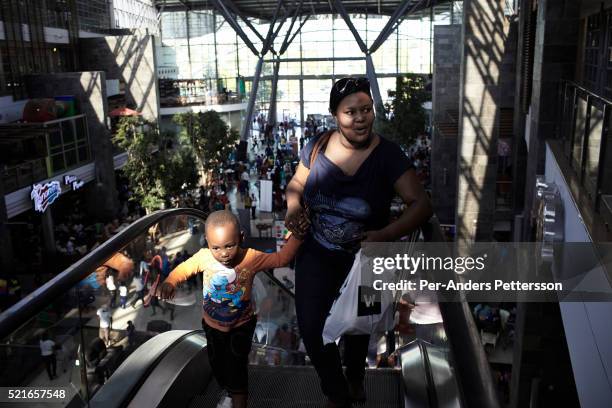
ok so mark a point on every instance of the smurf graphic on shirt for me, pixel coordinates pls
(222, 295)
(222, 288)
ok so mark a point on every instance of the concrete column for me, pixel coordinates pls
(302, 105)
(246, 127)
(445, 100)
(371, 74)
(485, 32)
(130, 58)
(272, 111)
(48, 238)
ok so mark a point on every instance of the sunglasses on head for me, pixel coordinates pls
(349, 84)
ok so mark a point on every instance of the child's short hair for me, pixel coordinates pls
(221, 218)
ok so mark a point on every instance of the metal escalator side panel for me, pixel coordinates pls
(414, 376)
(444, 384)
(180, 375)
(135, 370)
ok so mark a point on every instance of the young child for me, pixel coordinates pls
(228, 312)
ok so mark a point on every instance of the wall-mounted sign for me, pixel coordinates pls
(73, 182)
(44, 195)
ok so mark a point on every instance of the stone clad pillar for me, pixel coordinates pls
(484, 43)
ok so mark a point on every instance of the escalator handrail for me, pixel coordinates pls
(38, 300)
(469, 358)
(276, 348)
(126, 381)
(278, 283)
(431, 386)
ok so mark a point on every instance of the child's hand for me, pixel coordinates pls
(166, 291)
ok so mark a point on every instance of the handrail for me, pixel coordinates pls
(469, 358)
(431, 386)
(276, 348)
(586, 90)
(134, 372)
(279, 284)
(36, 301)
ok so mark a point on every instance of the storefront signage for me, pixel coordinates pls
(44, 195)
(74, 182)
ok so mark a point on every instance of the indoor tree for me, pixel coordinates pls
(156, 167)
(211, 138)
(404, 118)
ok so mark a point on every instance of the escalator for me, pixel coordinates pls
(182, 377)
(171, 368)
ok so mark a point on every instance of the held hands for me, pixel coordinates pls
(166, 291)
(297, 222)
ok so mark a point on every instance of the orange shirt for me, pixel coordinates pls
(227, 291)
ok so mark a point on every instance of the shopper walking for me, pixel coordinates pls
(346, 179)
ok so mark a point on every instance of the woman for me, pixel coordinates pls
(346, 187)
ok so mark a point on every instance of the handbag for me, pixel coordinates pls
(359, 309)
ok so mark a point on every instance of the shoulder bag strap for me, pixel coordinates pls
(319, 145)
(316, 149)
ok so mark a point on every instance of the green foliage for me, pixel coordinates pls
(155, 171)
(404, 118)
(211, 138)
(179, 166)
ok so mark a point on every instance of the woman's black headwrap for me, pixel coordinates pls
(345, 87)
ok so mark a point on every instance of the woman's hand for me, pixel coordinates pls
(374, 236)
(297, 221)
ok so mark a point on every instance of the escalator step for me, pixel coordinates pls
(298, 387)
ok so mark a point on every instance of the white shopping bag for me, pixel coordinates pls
(359, 309)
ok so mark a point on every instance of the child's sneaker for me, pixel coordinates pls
(225, 402)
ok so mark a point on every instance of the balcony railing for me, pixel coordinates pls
(185, 92)
(34, 151)
(584, 128)
(24, 174)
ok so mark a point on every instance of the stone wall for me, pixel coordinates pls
(446, 70)
(485, 83)
(445, 99)
(130, 59)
